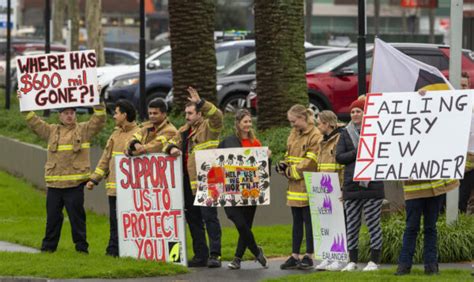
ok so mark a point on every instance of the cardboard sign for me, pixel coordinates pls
(327, 216)
(150, 210)
(58, 80)
(233, 177)
(406, 136)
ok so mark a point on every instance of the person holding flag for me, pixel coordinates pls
(421, 197)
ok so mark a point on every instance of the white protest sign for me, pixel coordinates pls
(471, 134)
(58, 80)
(233, 177)
(408, 136)
(327, 216)
(150, 212)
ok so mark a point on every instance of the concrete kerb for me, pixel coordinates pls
(250, 271)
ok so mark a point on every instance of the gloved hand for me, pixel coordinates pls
(281, 167)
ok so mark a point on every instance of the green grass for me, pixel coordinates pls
(385, 275)
(13, 125)
(22, 221)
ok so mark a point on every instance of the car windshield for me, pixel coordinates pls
(334, 63)
(237, 65)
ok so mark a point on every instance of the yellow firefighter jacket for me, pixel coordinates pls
(204, 135)
(301, 155)
(428, 188)
(327, 156)
(154, 138)
(116, 146)
(68, 161)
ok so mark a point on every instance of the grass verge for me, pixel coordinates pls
(23, 218)
(385, 275)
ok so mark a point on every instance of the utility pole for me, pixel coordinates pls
(8, 85)
(452, 198)
(361, 67)
(47, 35)
(142, 61)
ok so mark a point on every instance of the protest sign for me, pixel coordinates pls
(327, 216)
(150, 204)
(58, 80)
(233, 177)
(406, 136)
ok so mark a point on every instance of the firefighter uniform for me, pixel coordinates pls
(66, 170)
(204, 134)
(116, 146)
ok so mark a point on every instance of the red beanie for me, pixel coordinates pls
(359, 103)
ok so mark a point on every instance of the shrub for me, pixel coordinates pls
(455, 242)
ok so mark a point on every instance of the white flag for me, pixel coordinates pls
(393, 71)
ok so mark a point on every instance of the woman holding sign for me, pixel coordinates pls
(327, 125)
(301, 155)
(243, 217)
(358, 196)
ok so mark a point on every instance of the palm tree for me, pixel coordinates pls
(95, 39)
(192, 49)
(279, 34)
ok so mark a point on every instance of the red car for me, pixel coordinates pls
(333, 86)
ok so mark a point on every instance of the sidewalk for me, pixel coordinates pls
(250, 271)
(10, 247)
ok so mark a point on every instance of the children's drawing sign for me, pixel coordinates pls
(409, 136)
(232, 177)
(327, 216)
(150, 211)
(57, 80)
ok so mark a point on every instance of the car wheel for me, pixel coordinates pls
(156, 94)
(316, 106)
(235, 103)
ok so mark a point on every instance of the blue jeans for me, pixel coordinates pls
(429, 208)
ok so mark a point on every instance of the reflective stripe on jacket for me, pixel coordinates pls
(327, 156)
(155, 138)
(428, 188)
(301, 155)
(204, 135)
(116, 145)
(68, 160)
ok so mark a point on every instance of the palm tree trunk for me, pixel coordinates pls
(192, 49)
(58, 20)
(73, 10)
(94, 29)
(281, 82)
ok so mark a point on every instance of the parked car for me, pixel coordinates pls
(226, 53)
(233, 82)
(333, 86)
(159, 83)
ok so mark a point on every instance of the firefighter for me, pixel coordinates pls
(126, 126)
(67, 170)
(202, 129)
(301, 155)
(155, 133)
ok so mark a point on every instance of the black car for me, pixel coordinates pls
(159, 83)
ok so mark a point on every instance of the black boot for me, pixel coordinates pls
(354, 255)
(403, 270)
(375, 256)
(431, 269)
